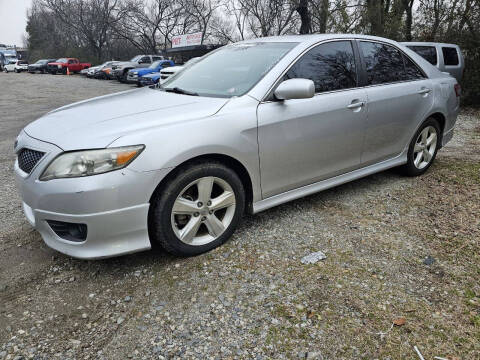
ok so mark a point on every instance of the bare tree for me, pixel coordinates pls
(90, 20)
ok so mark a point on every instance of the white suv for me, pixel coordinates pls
(18, 66)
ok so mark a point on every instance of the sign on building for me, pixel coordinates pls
(187, 40)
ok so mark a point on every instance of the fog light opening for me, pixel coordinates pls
(69, 231)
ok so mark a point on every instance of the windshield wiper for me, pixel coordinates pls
(178, 90)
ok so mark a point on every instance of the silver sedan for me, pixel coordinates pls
(250, 126)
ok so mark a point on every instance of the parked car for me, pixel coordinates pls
(40, 66)
(121, 69)
(250, 126)
(108, 73)
(103, 71)
(150, 79)
(84, 71)
(62, 65)
(134, 75)
(446, 57)
(168, 72)
(96, 71)
(18, 66)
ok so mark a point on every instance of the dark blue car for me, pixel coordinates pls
(149, 79)
(134, 75)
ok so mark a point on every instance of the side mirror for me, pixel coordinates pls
(295, 89)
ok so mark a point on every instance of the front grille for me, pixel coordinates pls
(28, 158)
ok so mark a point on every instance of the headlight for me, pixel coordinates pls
(59, 66)
(90, 162)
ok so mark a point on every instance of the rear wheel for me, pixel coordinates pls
(197, 210)
(423, 148)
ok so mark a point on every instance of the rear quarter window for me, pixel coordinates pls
(412, 72)
(429, 53)
(450, 56)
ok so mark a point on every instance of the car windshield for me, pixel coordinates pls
(155, 64)
(230, 71)
(64, 61)
(136, 58)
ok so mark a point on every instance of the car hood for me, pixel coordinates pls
(97, 122)
(152, 75)
(135, 70)
(123, 64)
(145, 71)
(172, 68)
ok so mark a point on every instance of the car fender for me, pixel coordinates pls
(222, 134)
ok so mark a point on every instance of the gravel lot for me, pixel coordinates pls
(396, 248)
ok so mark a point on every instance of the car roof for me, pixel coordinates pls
(427, 43)
(314, 38)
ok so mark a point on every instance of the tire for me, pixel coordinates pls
(5, 70)
(123, 77)
(212, 223)
(15, 71)
(421, 153)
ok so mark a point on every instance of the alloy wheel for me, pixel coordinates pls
(425, 147)
(203, 211)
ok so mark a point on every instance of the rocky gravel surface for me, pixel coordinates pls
(401, 268)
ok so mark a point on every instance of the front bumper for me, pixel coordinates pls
(114, 206)
(147, 81)
(132, 79)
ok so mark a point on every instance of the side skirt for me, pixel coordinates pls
(328, 183)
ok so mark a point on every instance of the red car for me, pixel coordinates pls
(61, 66)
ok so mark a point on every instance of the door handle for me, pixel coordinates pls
(424, 91)
(356, 105)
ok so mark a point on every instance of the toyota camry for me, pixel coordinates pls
(249, 126)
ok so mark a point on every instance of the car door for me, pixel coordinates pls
(399, 97)
(302, 141)
(72, 65)
(144, 61)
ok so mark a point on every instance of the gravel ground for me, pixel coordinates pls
(403, 250)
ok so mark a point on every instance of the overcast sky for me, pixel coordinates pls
(13, 19)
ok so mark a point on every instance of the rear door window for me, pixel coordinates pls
(383, 63)
(331, 66)
(450, 56)
(429, 53)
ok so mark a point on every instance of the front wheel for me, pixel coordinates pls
(423, 148)
(197, 210)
